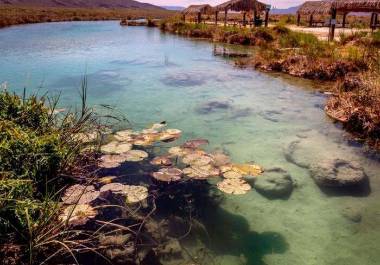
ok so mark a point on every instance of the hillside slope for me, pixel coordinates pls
(81, 3)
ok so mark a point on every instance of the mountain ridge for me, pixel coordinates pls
(82, 3)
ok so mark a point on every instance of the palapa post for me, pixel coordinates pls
(332, 24)
(344, 20)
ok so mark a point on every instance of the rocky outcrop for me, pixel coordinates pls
(337, 173)
(274, 183)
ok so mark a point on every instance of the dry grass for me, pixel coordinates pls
(356, 104)
(11, 15)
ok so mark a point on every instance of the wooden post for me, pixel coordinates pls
(225, 17)
(216, 17)
(266, 17)
(344, 20)
(244, 15)
(311, 20)
(372, 21)
(298, 19)
(376, 21)
(332, 24)
(199, 17)
(184, 18)
(254, 17)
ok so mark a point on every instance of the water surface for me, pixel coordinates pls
(150, 77)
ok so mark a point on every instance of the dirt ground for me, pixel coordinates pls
(323, 32)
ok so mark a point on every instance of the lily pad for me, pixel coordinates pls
(78, 214)
(146, 139)
(111, 161)
(220, 159)
(168, 174)
(161, 161)
(124, 136)
(133, 193)
(195, 159)
(195, 143)
(178, 151)
(247, 169)
(116, 188)
(135, 155)
(201, 172)
(232, 175)
(234, 186)
(170, 135)
(80, 194)
(116, 147)
(136, 194)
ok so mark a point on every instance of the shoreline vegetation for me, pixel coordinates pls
(352, 64)
(17, 15)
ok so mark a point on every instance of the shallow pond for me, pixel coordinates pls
(275, 122)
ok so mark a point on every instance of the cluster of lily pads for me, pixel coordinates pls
(181, 163)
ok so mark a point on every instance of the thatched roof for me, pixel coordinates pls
(315, 8)
(356, 5)
(242, 5)
(195, 9)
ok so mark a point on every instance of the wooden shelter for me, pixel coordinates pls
(313, 8)
(243, 6)
(198, 10)
(346, 6)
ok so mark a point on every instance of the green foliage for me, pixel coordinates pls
(36, 147)
(29, 113)
(376, 38)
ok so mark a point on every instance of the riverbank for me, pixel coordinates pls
(16, 15)
(299, 54)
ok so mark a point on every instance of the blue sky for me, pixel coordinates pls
(278, 3)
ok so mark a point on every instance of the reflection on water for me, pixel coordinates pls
(274, 121)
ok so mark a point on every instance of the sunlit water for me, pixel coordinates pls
(150, 77)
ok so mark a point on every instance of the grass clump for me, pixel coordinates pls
(37, 151)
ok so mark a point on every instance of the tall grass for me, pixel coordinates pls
(38, 155)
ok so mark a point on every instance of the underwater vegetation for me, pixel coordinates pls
(72, 190)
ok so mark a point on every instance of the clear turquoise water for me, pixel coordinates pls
(150, 76)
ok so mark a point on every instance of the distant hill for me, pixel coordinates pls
(82, 3)
(174, 8)
(278, 11)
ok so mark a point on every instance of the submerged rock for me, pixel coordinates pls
(352, 214)
(183, 80)
(337, 173)
(213, 106)
(274, 183)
